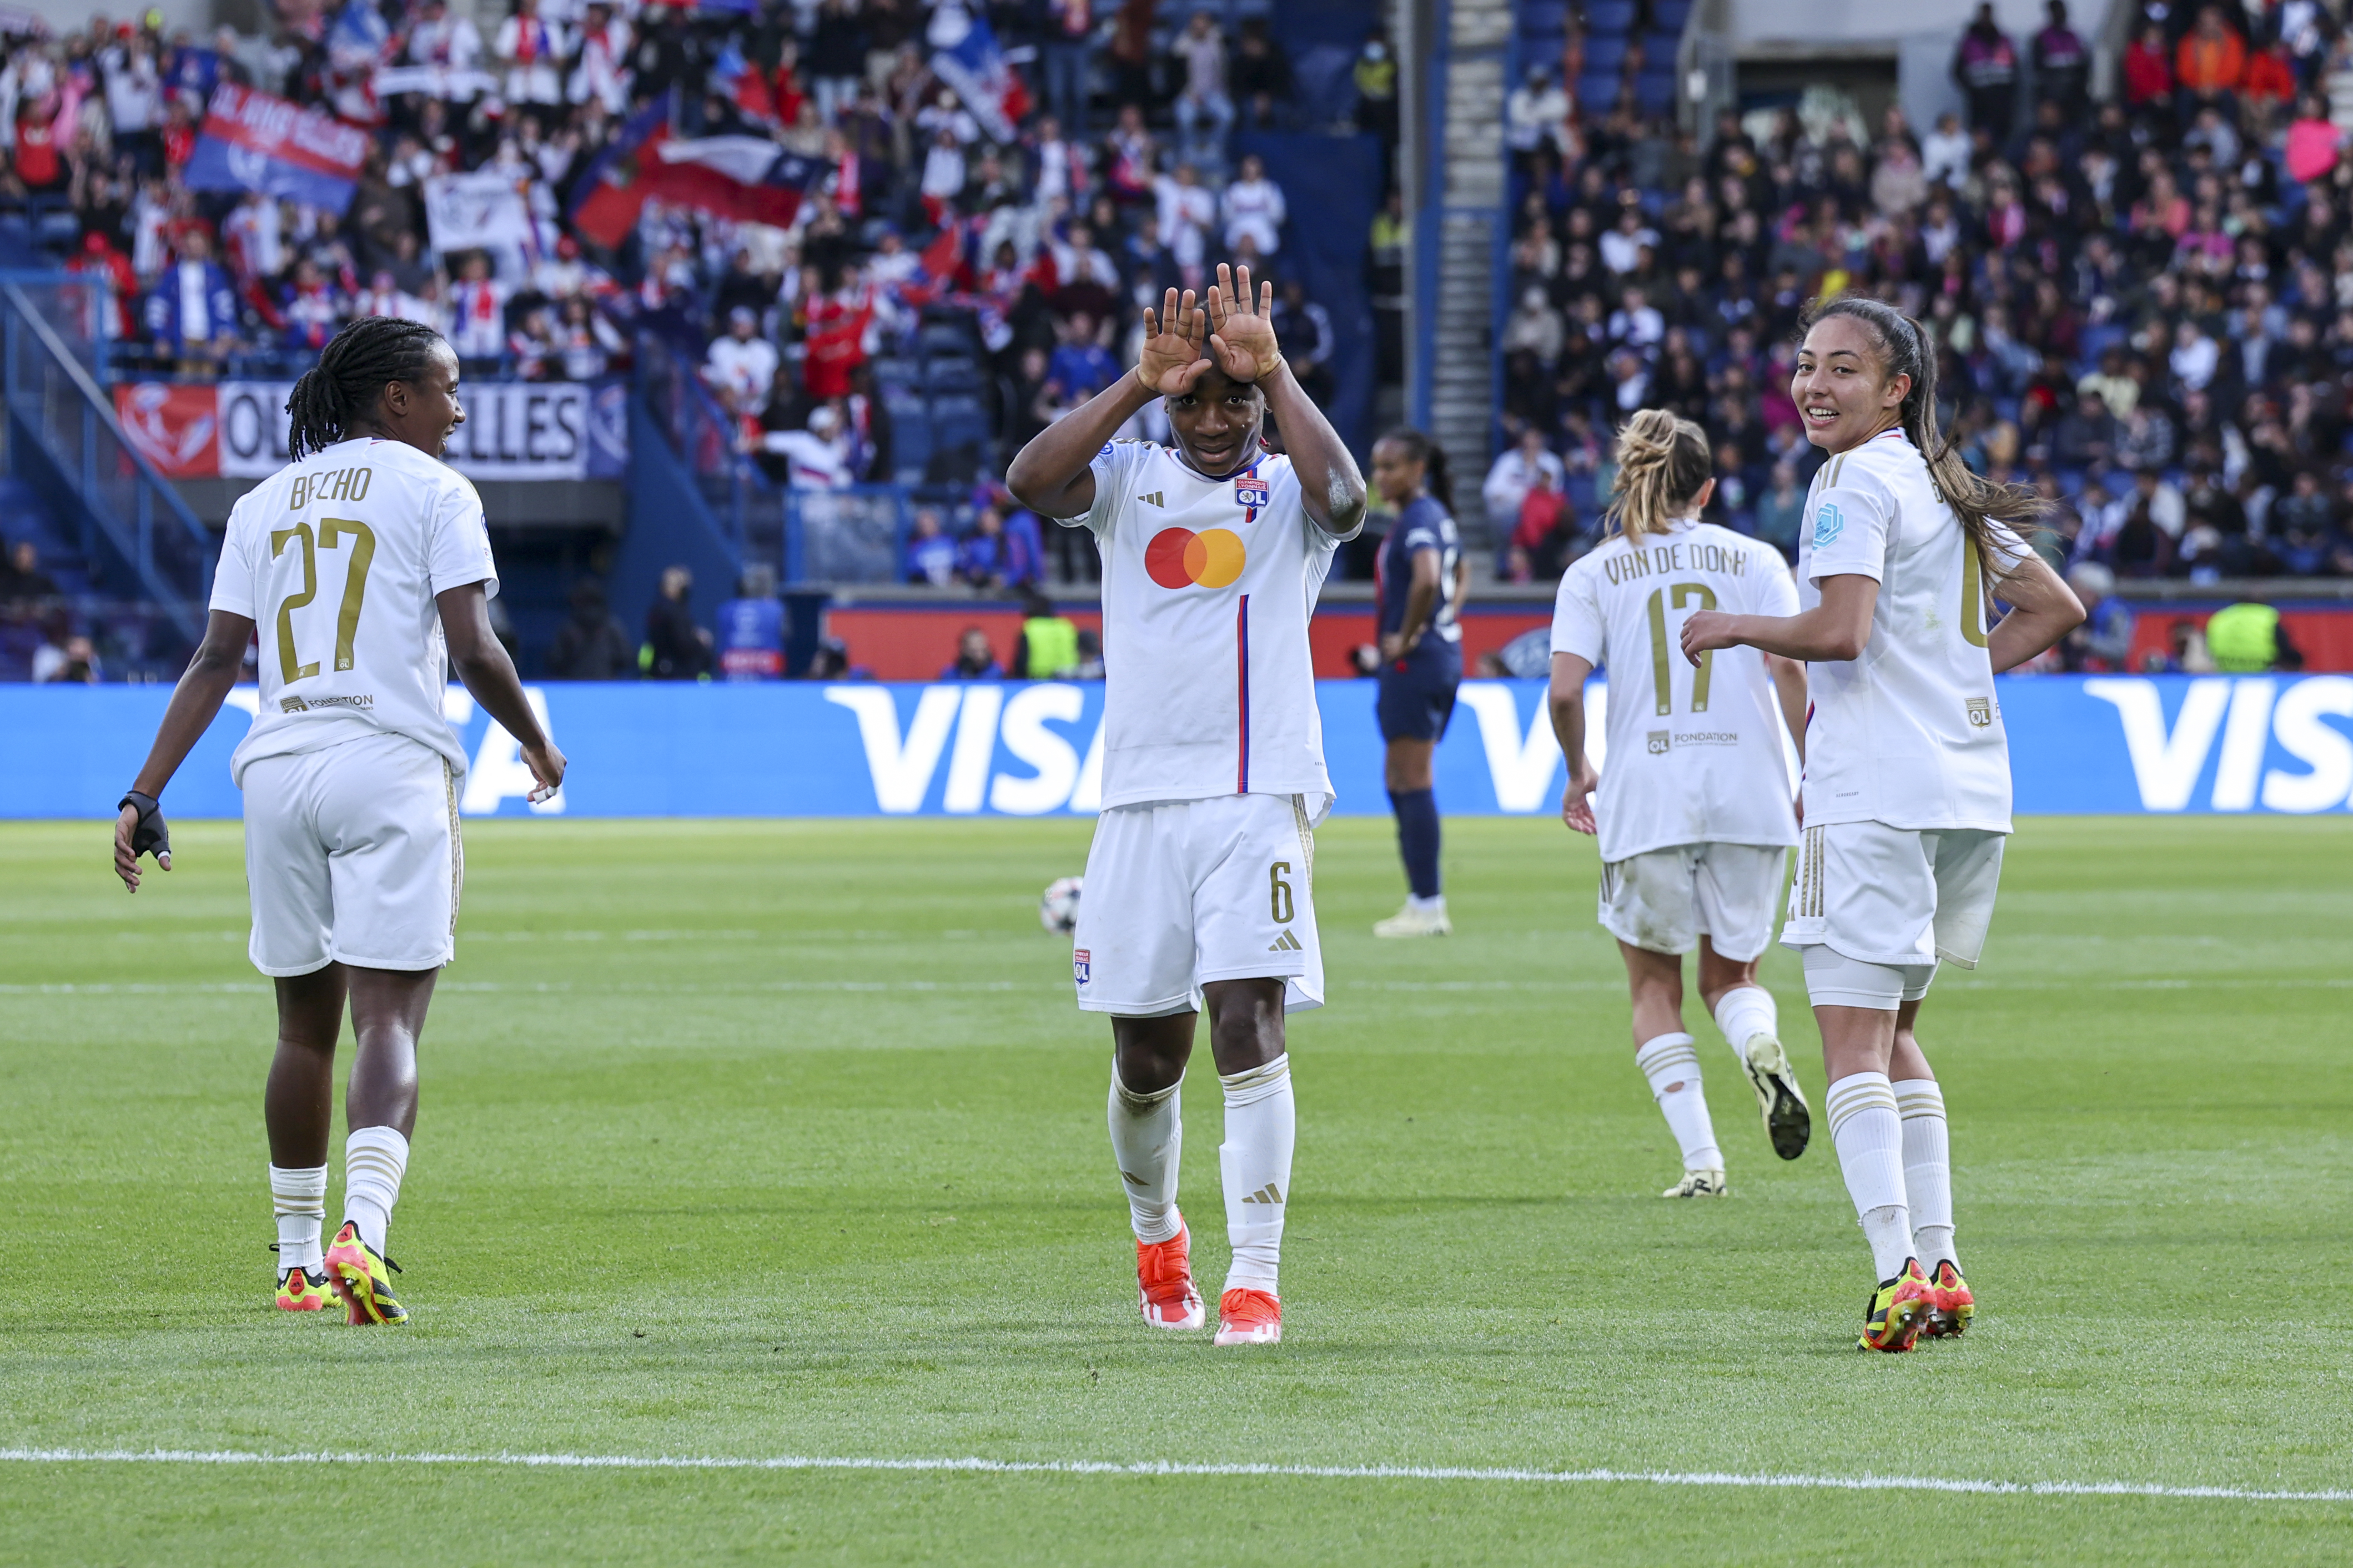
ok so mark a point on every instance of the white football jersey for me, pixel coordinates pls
(1910, 733)
(1207, 588)
(1695, 752)
(336, 560)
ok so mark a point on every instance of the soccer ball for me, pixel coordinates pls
(1057, 909)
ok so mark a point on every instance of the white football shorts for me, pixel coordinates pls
(1180, 893)
(1900, 897)
(352, 855)
(1664, 901)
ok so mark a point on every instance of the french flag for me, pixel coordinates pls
(965, 56)
(746, 178)
(252, 142)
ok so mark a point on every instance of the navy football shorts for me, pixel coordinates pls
(1415, 702)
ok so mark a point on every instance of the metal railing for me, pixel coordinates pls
(853, 535)
(48, 365)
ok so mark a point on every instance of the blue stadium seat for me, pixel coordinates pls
(1609, 17)
(1604, 56)
(896, 369)
(1540, 49)
(1655, 91)
(1597, 94)
(1659, 49)
(1544, 16)
(959, 419)
(951, 373)
(1669, 15)
(947, 337)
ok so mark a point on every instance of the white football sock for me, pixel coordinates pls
(1927, 1169)
(374, 1159)
(1673, 1068)
(1147, 1131)
(299, 1194)
(1869, 1139)
(1262, 1123)
(1744, 1013)
(1436, 902)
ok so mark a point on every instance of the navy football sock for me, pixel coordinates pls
(1417, 816)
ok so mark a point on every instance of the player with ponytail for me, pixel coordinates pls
(1907, 794)
(1423, 575)
(1694, 809)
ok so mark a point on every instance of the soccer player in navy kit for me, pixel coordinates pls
(1423, 578)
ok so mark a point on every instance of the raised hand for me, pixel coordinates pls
(1241, 337)
(1171, 362)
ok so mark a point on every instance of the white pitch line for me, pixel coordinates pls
(974, 1466)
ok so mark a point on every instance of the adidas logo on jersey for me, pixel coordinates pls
(1286, 943)
(1268, 1194)
(1154, 499)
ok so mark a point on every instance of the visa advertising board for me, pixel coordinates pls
(2078, 746)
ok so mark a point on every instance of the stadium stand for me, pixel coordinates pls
(2139, 304)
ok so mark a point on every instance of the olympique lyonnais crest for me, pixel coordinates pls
(1080, 963)
(1252, 493)
(1658, 739)
(1981, 711)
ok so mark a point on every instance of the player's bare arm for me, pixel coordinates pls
(1569, 673)
(480, 662)
(1050, 475)
(1241, 337)
(203, 686)
(2042, 609)
(1421, 600)
(1836, 629)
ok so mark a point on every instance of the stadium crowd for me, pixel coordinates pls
(2142, 302)
(1063, 210)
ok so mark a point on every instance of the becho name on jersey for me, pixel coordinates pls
(1682, 555)
(335, 484)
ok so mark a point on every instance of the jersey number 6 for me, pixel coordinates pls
(332, 532)
(1279, 893)
(1662, 668)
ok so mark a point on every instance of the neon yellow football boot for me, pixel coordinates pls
(1897, 1311)
(303, 1290)
(361, 1277)
(1952, 1306)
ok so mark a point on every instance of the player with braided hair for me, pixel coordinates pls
(1906, 792)
(364, 566)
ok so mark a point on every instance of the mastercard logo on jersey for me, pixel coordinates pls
(1180, 558)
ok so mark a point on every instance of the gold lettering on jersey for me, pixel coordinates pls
(335, 484)
(1682, 555)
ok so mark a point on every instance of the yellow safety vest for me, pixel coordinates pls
(1053, 643)
(2243, 638)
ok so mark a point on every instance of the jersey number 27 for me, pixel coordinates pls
(332, 530)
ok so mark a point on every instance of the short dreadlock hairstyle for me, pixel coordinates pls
(349, 380)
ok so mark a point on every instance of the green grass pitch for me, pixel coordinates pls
(768, 1139)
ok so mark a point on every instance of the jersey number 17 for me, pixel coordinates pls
(1680, 596)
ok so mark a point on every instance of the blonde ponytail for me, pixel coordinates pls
(1662, 463)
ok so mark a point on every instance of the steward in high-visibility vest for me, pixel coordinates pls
(2246, 639)
(1049, 647)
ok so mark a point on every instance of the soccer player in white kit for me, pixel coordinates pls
(360, 563)
(1199, 885)
(1906, 792)
(1694, 814)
